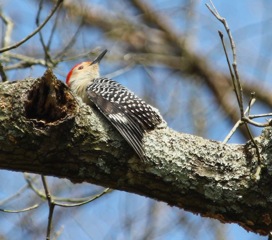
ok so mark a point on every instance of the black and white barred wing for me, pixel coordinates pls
(130, 115)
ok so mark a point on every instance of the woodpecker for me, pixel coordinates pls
(129, 114)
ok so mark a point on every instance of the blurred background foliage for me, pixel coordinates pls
(170, 54)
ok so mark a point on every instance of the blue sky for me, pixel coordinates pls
(249, 21)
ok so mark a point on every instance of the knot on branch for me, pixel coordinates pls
(49, 100)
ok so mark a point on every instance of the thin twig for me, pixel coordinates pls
(252, 98)
(22, 57)
(21, 210)
(59, 200)
(107, 190)
(36, 31)
(19, 192)
(260, 115)
(238, 123)
(52, 203)
(51, 206)
(31, 185)
(3, 74)
(232, 131)
(226, 53)
(47, 55)
(54, 29)
(230, 67)
(238, 90)
(69, 45)
(235, 77)
(58, 233)
(256, 175)
(9, 27)
(256, 124)
(239, 87)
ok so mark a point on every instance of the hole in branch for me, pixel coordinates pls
(49, 100)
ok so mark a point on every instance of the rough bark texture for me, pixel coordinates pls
(45, 129)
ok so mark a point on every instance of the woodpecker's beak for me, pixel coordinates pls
(99, 58)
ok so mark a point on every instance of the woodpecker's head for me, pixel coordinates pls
(82, 74)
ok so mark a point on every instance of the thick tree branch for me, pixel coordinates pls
(45, 129)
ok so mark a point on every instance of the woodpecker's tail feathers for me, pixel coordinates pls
(130, 115)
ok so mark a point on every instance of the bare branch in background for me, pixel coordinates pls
(234, 74)
(9, 27)
(20, 210)
(238, 89)
(35, 31)
(239, 123)
(3, 74)
(51, 206)
(145, 41)
(45, 48)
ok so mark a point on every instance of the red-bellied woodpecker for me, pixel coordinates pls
(130, 115)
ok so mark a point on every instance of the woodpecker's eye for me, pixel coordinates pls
(80, 67)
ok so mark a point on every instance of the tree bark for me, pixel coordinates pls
(45, 129)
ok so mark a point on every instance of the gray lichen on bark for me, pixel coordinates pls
(45, 129)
